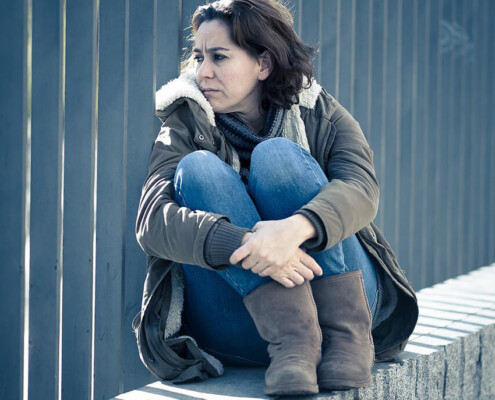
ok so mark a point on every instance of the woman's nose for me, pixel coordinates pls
(205, 70)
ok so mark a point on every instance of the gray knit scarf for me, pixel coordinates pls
(244, 139)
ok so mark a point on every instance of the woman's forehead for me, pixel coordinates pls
(213, 35)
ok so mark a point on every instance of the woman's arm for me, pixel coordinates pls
(163, 228)
(350, 200)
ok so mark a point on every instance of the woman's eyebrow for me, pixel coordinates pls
(210, 50)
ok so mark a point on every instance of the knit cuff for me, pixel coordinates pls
(316, 244)
(222, 240)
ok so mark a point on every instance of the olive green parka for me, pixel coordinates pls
(172, 235)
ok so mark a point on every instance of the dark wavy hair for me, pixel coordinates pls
(264, 25)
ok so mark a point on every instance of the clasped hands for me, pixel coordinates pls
(272, 249)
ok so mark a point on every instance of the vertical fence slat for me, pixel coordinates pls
(310, 28)
(328, 46)
(491, 132)
(454, 151)
(168, 46)
(362, 66)
(406, 140)
(45, 201)
(13, 101)
(441, 159)
(110, 200)
(444, 151)
(377, 105)
(483, 221)
(420, 117)
(431, 173)
(473, 135)
(168, 49)
(140, 137)
(78, 224)
(479, 134)
(460, 77)
(188, 8)
(345, 76)
(392, 107)
(423, 134)
(467, 76)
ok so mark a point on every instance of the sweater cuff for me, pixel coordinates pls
(222, 240)
(316, 244)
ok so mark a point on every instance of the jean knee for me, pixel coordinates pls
(196, 160)
(263, 151)
(192, 167)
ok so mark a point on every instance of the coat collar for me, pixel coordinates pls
(185, 86)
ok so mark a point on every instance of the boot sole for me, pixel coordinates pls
(291, 389)
(339, 384)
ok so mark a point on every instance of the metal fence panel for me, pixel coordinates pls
(377, 106)
(79, 195)
(45, 231)
(418, 165)
(389, 201)
(13, 152)
(406, 138)
(491, 132)
(140, 137)
(110, 213)
(472, 127)
(329, 45)
(361, 92)
(310, 29)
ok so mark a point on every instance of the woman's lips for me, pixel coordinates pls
(205, 91)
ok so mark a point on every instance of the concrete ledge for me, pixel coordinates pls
(451, 355)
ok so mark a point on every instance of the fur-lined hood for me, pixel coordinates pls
(185, 86)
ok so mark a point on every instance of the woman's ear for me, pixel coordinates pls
(266, 63)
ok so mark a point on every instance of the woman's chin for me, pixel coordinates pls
(218, 109)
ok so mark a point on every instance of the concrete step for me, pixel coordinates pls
(451, 355)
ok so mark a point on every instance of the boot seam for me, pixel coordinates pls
(315, 313)
(361, 280)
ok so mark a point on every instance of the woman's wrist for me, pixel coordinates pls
(303, 227)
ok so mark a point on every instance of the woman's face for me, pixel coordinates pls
(229, 77)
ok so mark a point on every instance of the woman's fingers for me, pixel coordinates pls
(295, 274)
(305, 272)
(259, 267)
(240, 254)
(296, 277)
(285, 281)
(310, 263)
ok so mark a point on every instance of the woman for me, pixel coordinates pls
(265, 181)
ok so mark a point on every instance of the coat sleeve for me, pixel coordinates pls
(163, 228)
(349, 201)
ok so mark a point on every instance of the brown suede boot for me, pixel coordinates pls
(345, 320)
(287, 319)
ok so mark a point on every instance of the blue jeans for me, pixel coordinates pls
(283, 177)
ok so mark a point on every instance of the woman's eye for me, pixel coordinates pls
(198, 58)
(218, 57)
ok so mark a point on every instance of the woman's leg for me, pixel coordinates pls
(213, 299)
(349, 283)
(283, 178)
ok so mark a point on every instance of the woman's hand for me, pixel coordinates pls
(273, 250)
(300, 267)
